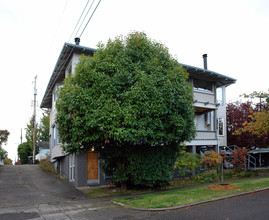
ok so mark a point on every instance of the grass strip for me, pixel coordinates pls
(173, 198)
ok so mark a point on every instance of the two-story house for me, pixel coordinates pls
(84, 168)
(209, 90)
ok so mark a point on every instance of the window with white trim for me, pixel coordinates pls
(221, 126)
(55, 139)
(220, 95)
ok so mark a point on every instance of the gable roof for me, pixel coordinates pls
(58, 73)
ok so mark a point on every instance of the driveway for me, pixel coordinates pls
(26, 192)
(27, 184)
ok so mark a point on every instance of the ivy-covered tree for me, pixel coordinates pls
(132, 102)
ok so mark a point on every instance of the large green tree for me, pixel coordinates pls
(44, 127)
(3, 136)
(42, 130)
(24, 150)
(132, 102)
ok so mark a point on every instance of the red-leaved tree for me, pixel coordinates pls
(239, 157)
(237, 115)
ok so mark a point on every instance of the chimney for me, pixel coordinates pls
(77, 40)
(205, 61)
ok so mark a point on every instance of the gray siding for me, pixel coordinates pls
(81, 169)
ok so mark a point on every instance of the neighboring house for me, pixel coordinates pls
(1, 161)
(209, 89)
(84, 168)
(43, 150)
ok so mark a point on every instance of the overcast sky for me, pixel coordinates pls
(234, 34)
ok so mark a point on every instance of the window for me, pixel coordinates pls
(72, 167)
(55, 136)
(202, 85)
(68, 70)
(221, 126)
(207, 119)
(220, 95)
(196, 121)
(55, 96)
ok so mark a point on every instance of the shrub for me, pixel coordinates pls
(228, 174)
(207, 176)
(187, 162)
(47, 166)
(207, 180)
(246, 173)
(211, 159)
(239, 158)
(138, 166)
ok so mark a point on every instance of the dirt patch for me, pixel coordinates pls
(227, 186)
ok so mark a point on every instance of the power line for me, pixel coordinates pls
(79, 20)
(84, 17)
(90, 18)
(79, 36)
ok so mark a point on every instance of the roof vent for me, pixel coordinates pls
(205, 61)
(77, 40)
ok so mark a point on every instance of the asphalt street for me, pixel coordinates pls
(26, 192)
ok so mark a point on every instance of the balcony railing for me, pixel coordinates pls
(205, 135)
(204, 97)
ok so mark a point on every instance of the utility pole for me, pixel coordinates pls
(21, 135)
(34, 122)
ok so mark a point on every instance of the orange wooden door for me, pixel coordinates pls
(92, 166)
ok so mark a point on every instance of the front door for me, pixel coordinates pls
(92, 167)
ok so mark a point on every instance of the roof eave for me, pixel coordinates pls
(221, 80)
(66, 52)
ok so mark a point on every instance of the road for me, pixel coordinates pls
(26, 192)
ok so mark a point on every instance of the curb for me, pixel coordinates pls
(192, 204)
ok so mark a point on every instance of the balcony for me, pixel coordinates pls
(204, 101)
(204, 138)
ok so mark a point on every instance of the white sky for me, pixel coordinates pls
(234, 34)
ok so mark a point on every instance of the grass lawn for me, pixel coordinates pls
(173, 198)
